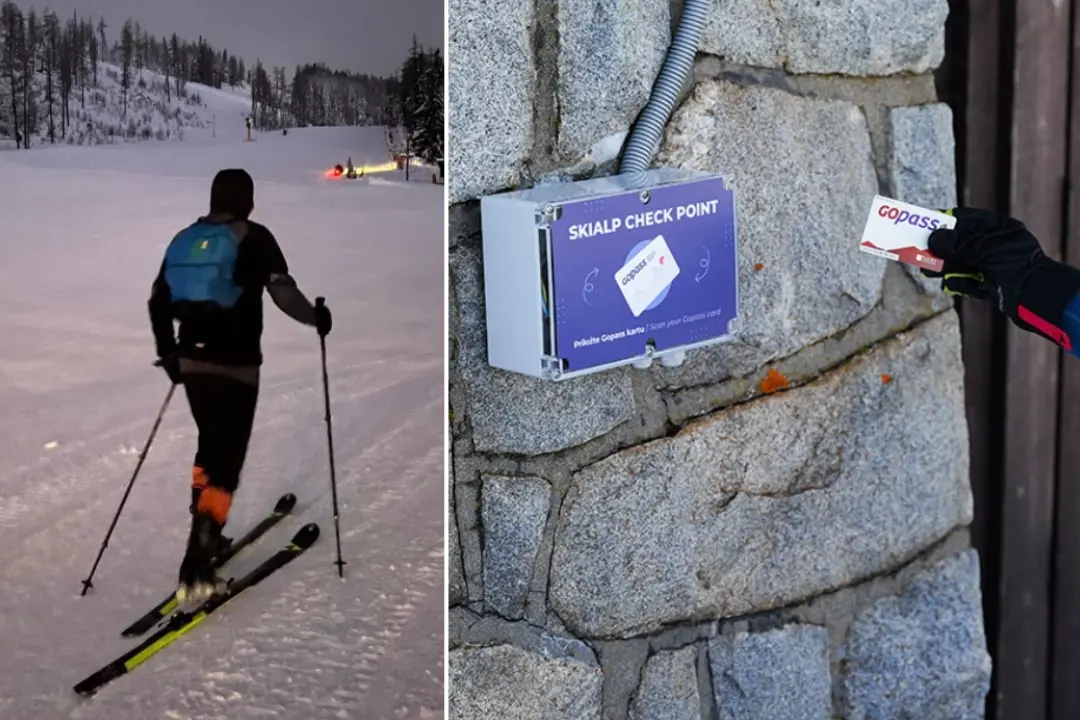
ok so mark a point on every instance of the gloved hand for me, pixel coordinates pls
(324, 321)
(959, 279)
(171, 365)
(994, 257)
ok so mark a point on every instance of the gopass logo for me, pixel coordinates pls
(634, 271)
(899, 216)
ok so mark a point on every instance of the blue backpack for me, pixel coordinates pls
(199, 265)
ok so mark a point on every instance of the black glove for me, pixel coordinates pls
(959, 279)
(994, 257)
(324, 321)
(171, 365)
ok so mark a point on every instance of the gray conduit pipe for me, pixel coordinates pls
(678, 64)
(649, 130)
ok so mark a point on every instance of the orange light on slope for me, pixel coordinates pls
(385, 167)
(334, 174)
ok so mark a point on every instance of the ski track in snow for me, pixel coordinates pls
(83, 234)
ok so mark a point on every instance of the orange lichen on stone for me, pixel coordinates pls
(773, 381)
(759, 266)
(886, 378)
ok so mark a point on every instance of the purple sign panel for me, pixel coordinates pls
(628, 272)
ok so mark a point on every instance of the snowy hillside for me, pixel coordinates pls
(99, 116)
(69, 83)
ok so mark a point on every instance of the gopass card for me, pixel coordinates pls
(645, 275)
(900, 231)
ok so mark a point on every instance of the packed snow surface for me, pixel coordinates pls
(82, 232)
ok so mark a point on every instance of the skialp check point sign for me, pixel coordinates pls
(631, 269)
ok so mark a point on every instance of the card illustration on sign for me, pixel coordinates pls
(627, 272)
(648, 273)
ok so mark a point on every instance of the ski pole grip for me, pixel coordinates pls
(320, 302)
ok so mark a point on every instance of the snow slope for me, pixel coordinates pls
(203, 113)
(83, 231)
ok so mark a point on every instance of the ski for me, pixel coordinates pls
(163, 609)
(181, 623)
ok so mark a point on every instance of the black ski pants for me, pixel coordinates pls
(224, 412)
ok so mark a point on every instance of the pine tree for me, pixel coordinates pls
(433, 118)
(138, 52)
(92, 49)
(177, 59)
(127, 49)
(166, 63)
(104, 43)
(50, 63)
(28, 59)
(66, 81)
(11, 24)
(426, 101)
(411, 74)
(78, 57)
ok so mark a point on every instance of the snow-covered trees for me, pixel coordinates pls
(422, 101)
(428, 114)
(47, 63)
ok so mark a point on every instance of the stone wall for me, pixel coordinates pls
(775, 530)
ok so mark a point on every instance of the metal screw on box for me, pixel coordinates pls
(645, 361)
(645, 197)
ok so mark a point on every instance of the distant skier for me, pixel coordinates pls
(212, 281)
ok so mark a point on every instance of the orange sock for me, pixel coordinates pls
(215, 502)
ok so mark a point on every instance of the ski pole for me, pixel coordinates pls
(142, 456)
(319, 303)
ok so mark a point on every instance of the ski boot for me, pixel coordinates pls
(224, 542)
(198, 581)
(223, 545)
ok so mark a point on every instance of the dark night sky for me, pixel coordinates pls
(371, 36)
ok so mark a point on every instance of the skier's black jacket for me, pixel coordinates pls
(231, 338)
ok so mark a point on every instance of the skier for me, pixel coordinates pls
(211, 281)
(994, 257)
(350, 171)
